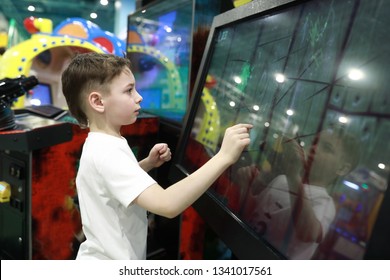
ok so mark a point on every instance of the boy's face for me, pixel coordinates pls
(122, 105)
(325, 159)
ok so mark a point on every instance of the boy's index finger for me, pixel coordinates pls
(248, 126)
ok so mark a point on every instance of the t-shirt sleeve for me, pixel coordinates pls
(123, 176)
(325, 212)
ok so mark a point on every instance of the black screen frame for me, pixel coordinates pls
(241, 239)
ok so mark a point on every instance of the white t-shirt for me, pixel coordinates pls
(108, 180)
(273, 213)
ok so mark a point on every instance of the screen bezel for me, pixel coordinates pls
(239, 237)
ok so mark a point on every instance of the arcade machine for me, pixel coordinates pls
(298, 71)
(40, 143)
(20, 135)
(165, 43)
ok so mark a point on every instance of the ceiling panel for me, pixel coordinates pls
(59, 10)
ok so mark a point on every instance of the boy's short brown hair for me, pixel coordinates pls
(89, 72)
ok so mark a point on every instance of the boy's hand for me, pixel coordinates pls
(235, 140)
(293, 157)
(159, 154)
(247, 174)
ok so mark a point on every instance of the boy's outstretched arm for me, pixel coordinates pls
(307, 226)
(173, 200)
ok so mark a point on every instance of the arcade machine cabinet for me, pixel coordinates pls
(21, 136)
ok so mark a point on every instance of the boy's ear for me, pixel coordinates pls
(96, 101)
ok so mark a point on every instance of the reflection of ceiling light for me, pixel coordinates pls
(343, 119)
(31, 8)
(232, 103)
(256, 107)
(237, 80)
(290, 112)
(266, 124)
(93, 15)
(35, 102)
(118, 5)
(355, 74)
(381, 166)
(167, 29)
(351, 185)
(280, 78)
(104, 2)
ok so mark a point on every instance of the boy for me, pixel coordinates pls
(114, 190)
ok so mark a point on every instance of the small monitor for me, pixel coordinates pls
(41, 94)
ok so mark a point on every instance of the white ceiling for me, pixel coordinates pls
(59, 10)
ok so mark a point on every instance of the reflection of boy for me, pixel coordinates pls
(294, 211)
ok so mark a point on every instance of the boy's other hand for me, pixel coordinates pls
(159, 154)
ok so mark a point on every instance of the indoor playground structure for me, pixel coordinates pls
(47, 52)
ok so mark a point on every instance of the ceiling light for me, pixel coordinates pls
(290, 112)
(381, 165)
(237, 79)
(343, 119)
(280, 78)
(355, 74)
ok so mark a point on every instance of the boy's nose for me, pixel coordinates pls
(139, 98)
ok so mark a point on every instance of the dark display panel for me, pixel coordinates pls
(311, 77)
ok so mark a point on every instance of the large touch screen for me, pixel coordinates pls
(313, 80)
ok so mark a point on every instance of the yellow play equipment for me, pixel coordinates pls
(46, 53)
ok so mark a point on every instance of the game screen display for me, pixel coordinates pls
(312, 79)
(158, 44)
(41, 95)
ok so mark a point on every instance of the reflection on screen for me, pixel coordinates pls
(313, 81)
(41, 95)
